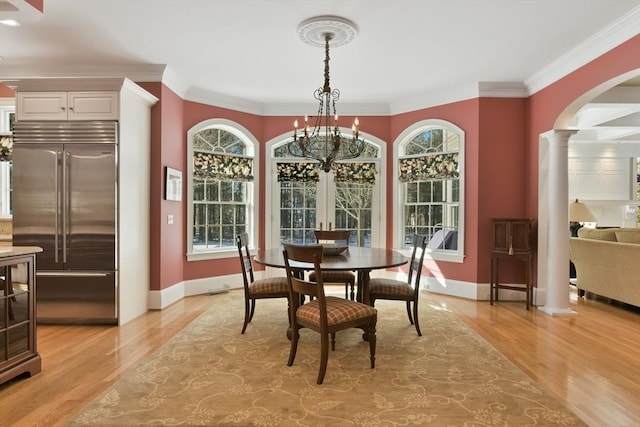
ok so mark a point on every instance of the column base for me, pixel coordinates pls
(558, 311)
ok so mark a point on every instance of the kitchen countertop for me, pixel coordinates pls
(8, 251)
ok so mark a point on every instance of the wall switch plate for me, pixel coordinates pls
(169, 219)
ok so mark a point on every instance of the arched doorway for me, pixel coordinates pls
(553, 270)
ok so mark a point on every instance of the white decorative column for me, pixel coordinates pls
(557, 296)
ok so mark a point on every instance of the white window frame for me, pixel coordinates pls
(7, 106)
(398, 206)
(253, 150)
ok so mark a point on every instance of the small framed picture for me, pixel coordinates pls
(172, 184)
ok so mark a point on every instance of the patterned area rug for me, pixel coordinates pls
(211, 375)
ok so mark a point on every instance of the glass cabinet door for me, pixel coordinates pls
(18, 353)
(15, 333)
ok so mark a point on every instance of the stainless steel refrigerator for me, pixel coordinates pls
(65, 184)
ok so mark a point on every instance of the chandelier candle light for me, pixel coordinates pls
(325, 144)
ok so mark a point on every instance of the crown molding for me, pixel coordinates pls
(434, 98)
(605, 40)
(344, 109)
(502, 90)
(279, 109)
(618, 32)
(224, 101)
(173, 81)
(138, 72)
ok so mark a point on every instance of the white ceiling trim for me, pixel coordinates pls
(223, 101)
(138, 73)
(620, 31)
(502, 90)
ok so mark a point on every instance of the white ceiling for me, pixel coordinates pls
(246, 54)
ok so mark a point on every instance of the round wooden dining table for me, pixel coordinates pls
(359, 259)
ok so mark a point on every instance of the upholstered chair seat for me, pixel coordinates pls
(409, 290)
(339, 310)
(271, 285)
(391, 289)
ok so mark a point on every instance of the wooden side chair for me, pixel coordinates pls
(272, 287)
(391, 289)
(346, 277)
(323, 314)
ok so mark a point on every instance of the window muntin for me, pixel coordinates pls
(354, 211)
(298, 212)
(219, 214)
(430, 170)
(347, 197)
(221, 188)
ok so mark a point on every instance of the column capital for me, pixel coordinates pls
(561, 136)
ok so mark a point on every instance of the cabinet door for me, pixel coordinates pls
(41, 106)
(93, 105)
(521, 232)
(501, 236)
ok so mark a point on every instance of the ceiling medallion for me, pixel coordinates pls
(313, 30)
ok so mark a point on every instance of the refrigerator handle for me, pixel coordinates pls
(65, 202)
(56, 215)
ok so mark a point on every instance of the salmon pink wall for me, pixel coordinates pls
(546, 105)
(495, 158)
(6, 91)
(37, 4)
(463, 114)
(501, 163)
(168, 243)
(502, 177)
(195, 113)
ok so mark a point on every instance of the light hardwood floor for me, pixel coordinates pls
(591, 362)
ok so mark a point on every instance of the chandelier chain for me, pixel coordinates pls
(325, 143)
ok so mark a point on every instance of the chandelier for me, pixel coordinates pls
(324, 142)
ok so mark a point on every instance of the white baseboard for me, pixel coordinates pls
(475, 291)
(470, 290)
(167, 296)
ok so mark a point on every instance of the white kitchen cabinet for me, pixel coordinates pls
(96, 105)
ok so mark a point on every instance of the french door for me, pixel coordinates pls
(301, 207)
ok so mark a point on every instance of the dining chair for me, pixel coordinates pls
(409, 290)
(346, 277)
(271, 287)
(323, 314)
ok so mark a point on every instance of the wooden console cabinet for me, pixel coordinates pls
(18, 348)
(512, 239)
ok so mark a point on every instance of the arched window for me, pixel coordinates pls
(221, 193)
(430, 168)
